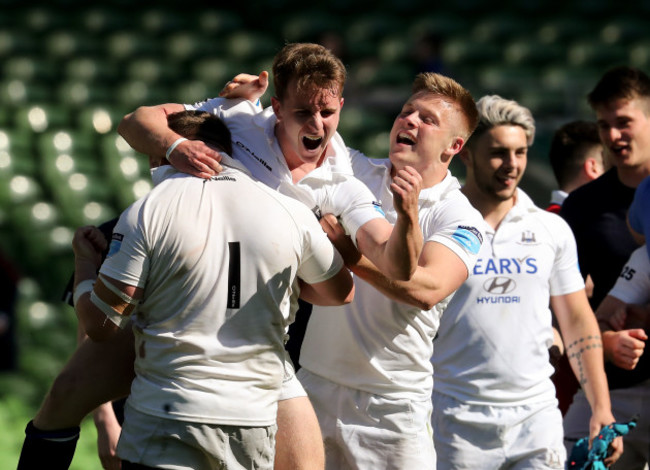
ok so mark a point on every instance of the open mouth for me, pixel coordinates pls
(406, 139)
(311, 143)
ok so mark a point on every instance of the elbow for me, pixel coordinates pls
(100, 331)
(401, 273)
(349, 297)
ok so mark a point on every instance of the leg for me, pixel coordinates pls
(95, 374)
(299, 444)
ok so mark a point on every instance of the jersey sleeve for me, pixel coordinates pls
(320, 261)
(633, 284)
(565, 276)
(356, 205)
(225, 108)
(459, 227)
(127, 260)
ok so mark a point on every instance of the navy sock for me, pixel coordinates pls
(48, 449)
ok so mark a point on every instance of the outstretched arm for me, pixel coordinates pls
(439, 272)
(584, 349)
(396, 250)
(146, 130)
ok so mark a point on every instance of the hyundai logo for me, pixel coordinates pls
(499, 285)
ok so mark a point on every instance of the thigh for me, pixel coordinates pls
(96, 373)
(299, 443)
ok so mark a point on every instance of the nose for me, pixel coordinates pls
(412, 118)
(510, 160)
(316, 122)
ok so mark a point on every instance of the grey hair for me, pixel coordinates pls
(496, 111)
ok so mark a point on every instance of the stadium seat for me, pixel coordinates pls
(498, 27)
(309, 26)
(42, 116)
(624, 30)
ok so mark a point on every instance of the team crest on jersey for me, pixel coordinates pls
(377, 206)
(116, 244)
(469, 237)
(528, 238)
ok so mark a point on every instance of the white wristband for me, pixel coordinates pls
(173, 146)
(82, 288)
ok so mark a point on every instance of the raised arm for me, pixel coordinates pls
(146, 130)
(584, 349)
(395, 250)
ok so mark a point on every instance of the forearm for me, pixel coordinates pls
(585, 353)
(403, 248)
(147, 131)
(420, 291)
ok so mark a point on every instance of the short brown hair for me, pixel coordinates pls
(569, 147)
(451, 90)
(311, 65)
(201, 125)
(621, 82)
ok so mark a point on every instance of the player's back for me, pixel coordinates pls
(223, 255)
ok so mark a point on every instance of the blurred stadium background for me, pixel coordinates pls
(70, 69)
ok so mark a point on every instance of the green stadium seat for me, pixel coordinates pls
(499, 27)
(563, 29)
(444, 24)
(65, 43)
(624, 30)
(160, 21)
(214, 72)
(186, 47)
(91, 68)
(130, 44)
(309, 26)
(133, 93)
(461, 50)
(104, 19)
(217, 21)
(43, 116)
(527, 51)
(639, 54)
(595, 54)
(78, 93)
(249, 46)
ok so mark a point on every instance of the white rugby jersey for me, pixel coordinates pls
(633, 284)
(330, 188)
(376, 344)
(217, 259)
(492, 345)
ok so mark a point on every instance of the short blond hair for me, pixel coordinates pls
(452, 91)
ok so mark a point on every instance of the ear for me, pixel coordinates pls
(592, 168)
(342, 101)
(276, 105)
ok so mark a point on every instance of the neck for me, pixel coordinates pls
(431, 175)
(632, 176)
(493, 210)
